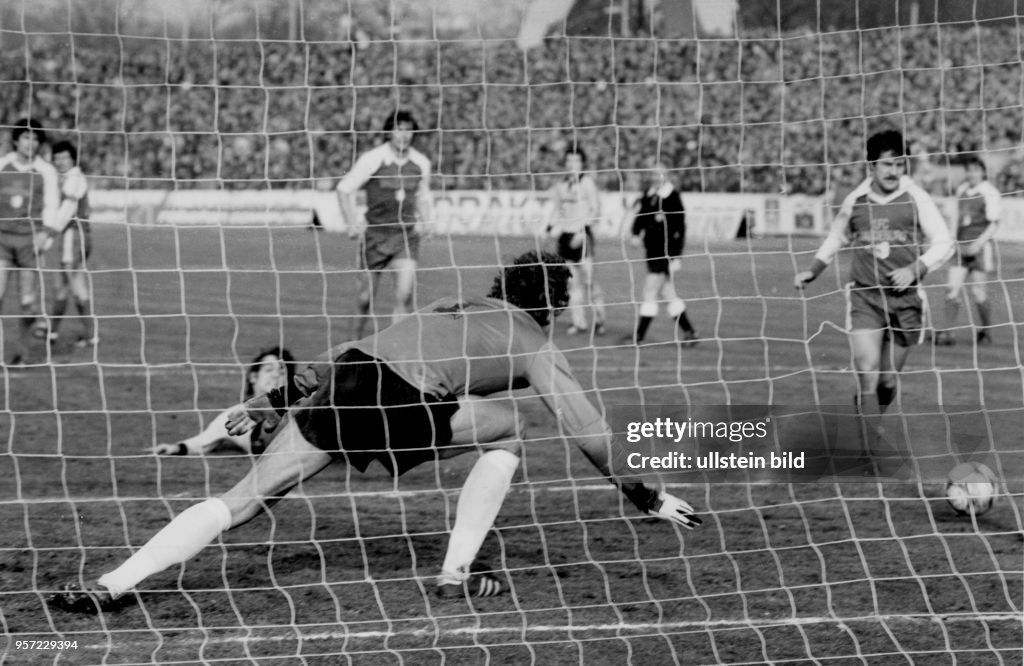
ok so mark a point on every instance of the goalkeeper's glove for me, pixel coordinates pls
(661, 504)
(176, 449)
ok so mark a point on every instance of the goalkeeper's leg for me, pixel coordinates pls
(289, 460)
(492, 427)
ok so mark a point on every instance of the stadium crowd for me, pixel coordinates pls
(761, 114)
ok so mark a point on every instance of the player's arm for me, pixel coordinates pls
(75, 187)
(592, 199)
(835, 241)
(551, 224)
(549, 375)
(212, 436)
(356, 179)
(938, 241)
(51, 203)
(269, 408)
(425, 199)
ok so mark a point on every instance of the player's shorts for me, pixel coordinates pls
(366, 412)
(899, 313)
(983, 261)
(75, 245)
(658, 265)
(18, 250)
(379, 248)
(576, 254)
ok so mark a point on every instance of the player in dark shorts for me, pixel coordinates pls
(979, 206)
(659, 223)
(897, 236)
(396, 179)
(417, 391)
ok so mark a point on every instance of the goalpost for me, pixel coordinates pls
(212, 152)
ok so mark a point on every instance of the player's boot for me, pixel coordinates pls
(689, 339)
(984, 339)
(73, 598)
(481, 583)
(944, 339)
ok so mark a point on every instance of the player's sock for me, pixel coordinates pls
(984, 314)
(479, 502)
(191, 531)
(684, 322)
(886, 395)
(642, 326)
(952, 309)
(84, 306)
(60, 306)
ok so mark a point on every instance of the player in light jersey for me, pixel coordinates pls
(74, 245)
(577, 207)
(897, 236)
(659, 223)
(396, 179)
(979, 206)
(270, 369)
(415, 392)
(29, 197)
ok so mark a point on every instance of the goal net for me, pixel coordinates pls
(214, 136)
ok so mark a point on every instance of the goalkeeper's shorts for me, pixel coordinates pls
(363, 412)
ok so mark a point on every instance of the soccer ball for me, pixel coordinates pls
(971, 488)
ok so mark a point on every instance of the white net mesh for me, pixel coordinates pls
(212, 147)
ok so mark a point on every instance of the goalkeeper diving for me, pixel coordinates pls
(421, 390)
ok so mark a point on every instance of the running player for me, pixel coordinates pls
(75, 246)
(659, 222)
(577, 207)
(271, 369)
(979, 206)
(29, 196)
(396, 178)
(415, 392)
(897, 236)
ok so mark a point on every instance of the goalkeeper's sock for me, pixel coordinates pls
(191, 531)
(482, 496)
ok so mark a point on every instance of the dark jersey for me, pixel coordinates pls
(661, 220)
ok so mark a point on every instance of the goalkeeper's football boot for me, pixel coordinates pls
(73, 598)
(481, 583)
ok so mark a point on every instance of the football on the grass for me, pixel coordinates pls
(971, 488)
